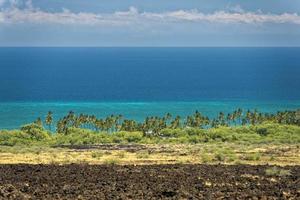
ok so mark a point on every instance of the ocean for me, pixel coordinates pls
(138, 82)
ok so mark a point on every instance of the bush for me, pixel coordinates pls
(120, 154)
(252, 157)
(220, 156)
(28, 134)
(262, 131)
(224, 154)
(143, 155)
(275, 171)
(35, 132)
(206, 158)
(133, 136)
(111, 161)
(97, 154)
(11, 138)
(172, 133)
(78, 136)
(222, 134)
(194, 131)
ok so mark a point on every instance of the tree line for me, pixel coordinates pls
(152, 125)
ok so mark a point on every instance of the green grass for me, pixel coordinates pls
(254, 134)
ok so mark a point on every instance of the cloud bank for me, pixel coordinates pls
(29, 14)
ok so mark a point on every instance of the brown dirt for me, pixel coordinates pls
(146, 182)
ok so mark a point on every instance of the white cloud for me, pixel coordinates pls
(229, 17)
(30, 14)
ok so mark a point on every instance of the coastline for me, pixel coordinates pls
(15, 114)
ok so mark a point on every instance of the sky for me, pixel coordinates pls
(150, 23)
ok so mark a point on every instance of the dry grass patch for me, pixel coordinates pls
(157, 154)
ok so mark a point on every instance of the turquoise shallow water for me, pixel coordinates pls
(13, 115)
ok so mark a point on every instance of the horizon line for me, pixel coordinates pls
(149, 46)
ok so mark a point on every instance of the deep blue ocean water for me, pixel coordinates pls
(137, 82)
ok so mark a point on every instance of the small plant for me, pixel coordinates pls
(252, 157)
(225, 154)
(143, 155)
(120, 154)
(206, 158)
(272, 158)
(35, 150)
(219, 156)
(107, 152)
(232, 157)
(237, 162)
(97, 154)
(111, 161)
(262, 131)
(275, 171)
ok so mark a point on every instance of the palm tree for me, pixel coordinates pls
(152, 126)
(49, 119)
(221, 118)
(175, 123)
(168, 117)
(297, 117)
(215, 123)
(248, 116)
(239, 115)
(39, 122)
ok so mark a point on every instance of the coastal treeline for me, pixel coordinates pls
(238, 126)
(153, 125)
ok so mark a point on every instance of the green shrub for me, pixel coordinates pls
(133, 137)
(194, 131)
(111, 161)
(28, 134)
(143, 155)
(224, 154)
(262, 131)
(252, 134)
(35, 132)
(275, 171)
(78, 136)
(252, 157)
(220, 156)
(124, 136)
(206, 158)
(222, 134)
(171, 132)
(194, 139)
(97, 154)
(120, 154)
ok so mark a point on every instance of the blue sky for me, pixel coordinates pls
(149, 23)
